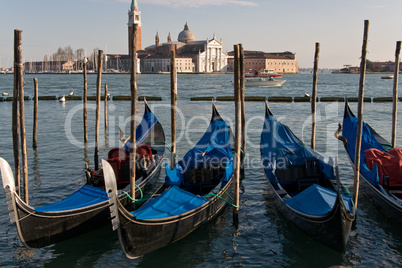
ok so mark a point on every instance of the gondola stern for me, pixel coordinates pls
(147, 109)
(347, 112)
(215, 114)
(267, 110)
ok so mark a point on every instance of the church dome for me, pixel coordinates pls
(186, 35)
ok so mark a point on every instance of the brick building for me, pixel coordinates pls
(279, 62)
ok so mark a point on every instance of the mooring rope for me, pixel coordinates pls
(133, 199)
(220, 197)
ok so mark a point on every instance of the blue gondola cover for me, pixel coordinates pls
(174, 201)
(148, 122)
(317, 201)
(212, 147)
(85, 196)
(280, 145)
(368, 141)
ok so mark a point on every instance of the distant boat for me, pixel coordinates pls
(262, 73)
(5, 94)
(263, 82)
(71, 93)
(62, 99)
(387, 77)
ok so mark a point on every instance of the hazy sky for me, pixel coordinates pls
(270, 26)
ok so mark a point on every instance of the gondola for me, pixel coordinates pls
(380, 169)
(194, 192)
(304, 187)
(88, 207)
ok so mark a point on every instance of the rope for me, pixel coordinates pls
(133, 199)
(223, 199)
(220, 197)
(223, 191)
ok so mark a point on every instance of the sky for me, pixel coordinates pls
(263, 25)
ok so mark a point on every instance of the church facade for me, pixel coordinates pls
(192, 56)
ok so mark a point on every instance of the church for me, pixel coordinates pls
(192, 56)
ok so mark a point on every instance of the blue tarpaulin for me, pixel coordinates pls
(317, 201)
(349, 130)
(143, 129)
(173, 202)
(85, 196)
(213, 147)
(279, 146)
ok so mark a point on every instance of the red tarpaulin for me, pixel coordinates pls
(389, 164)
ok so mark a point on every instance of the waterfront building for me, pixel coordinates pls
(204, 56)
(279, 62)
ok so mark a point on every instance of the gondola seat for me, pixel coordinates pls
(173, 202)
(316, 200)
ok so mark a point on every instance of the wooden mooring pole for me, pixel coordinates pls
(105, 108)
(173, 104)
(360, 115)
(242, 107)
(395, 93)
(20, 71)
(314, 96)
(35, 117)
(15, 112)
(98, 99)
(133, 89)
(85, 101)
(236, 182)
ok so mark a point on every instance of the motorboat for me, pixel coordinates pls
(263, 82)
(262, 73)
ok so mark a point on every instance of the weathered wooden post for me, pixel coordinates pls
(173, 103)
(133, 88)
(236, 183)
(85, 101)
(314, 96)
(395, 93)
(243, 112)
(20, 72)
(98, 99)
(15, 115)
(35, 117)
(105, 108)
(360, 114)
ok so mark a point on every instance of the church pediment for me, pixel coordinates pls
(214, 42)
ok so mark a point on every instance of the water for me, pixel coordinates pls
(262, 238)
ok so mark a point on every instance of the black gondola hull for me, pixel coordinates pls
(40, 229)
(332, 229)
(138, 237)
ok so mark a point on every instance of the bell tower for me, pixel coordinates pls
(134, 17)
(157, 39)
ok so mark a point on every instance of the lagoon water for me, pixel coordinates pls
(263, 238)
